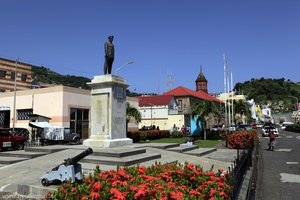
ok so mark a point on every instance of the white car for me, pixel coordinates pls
(284, 124)
(259, 125)
(266, 129)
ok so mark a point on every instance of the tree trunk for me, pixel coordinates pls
(204, 136)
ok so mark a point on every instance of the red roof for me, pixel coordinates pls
(182, 91)
(160, 100)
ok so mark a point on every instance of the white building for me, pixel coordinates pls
(160, 111)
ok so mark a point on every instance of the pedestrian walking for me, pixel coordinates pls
(271, 140)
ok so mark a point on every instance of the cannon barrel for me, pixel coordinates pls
(75, 159)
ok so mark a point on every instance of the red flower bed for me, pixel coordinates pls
(164, 182)
(242, 139)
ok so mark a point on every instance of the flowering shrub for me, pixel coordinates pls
(242, 139)
(164, 182)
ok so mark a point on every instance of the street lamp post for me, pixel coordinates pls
(296, 102)
(15, 97)
(119, 68)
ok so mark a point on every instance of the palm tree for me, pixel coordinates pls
(132, 112)
(203, 111)
(241, 110)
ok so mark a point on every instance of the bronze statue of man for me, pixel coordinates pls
(109, 50)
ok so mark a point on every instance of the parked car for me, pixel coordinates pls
(259, 125)
(243, 127)
(216, 128)
(19, 132)
(254, 126)
(285, 124)
(232, 127)
(8, 140)
(267, 128)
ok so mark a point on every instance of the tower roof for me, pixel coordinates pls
(201, 77)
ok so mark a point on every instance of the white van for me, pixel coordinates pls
(284, 124)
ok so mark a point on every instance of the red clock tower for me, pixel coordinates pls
(201, 82)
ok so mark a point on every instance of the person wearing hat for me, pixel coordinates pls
(109, 55)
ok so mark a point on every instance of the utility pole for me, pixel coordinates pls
(169, 81)
(232, 118)
(225, 91)
(15, 88)
(229, 104)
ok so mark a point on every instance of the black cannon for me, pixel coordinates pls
(69, 169)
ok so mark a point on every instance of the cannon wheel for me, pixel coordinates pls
(45, 182)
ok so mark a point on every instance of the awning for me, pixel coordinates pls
(39, 124)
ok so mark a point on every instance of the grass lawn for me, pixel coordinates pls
(200, 143)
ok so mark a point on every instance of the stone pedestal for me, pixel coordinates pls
(108, 112)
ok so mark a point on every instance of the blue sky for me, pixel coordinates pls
(260, 38)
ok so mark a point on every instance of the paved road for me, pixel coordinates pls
(279, 170)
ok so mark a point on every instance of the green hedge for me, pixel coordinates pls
(176, 134)
(216, 135)
(137, 136)
(293, 128)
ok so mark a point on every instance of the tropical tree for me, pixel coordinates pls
(132, 112)
(203, 111)
(241, 111)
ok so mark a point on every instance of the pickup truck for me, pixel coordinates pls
(8, 140)
(53, 134)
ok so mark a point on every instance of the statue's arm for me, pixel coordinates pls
(105, 48)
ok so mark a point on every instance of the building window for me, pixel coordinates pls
(180, 105)
(23, 114)
(12, 75)
(23, 77)
(2, 74)
(79, 121)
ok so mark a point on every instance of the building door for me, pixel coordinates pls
(4, 118)
(79, 121)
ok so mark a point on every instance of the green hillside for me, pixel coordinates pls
(280, 93)
(45, 75)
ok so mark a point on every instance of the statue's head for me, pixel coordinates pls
(111, 37)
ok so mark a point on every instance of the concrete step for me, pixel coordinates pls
(47, 149)
(22, 154)
(201, 151)
(88, 168)
(10, 160)
(160, 160)
(158, 145)
(183, 148)
(118, 153)
(225, 155)
(124, 161)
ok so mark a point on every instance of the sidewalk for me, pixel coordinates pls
(24, 177)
